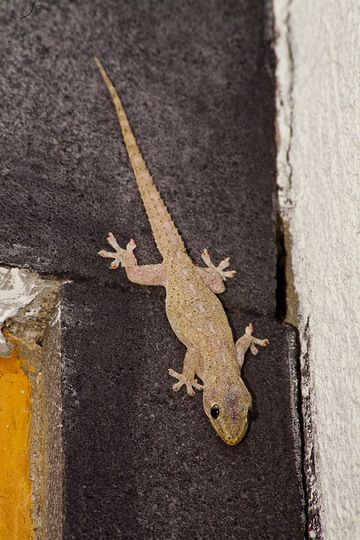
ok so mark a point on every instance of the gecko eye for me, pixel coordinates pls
(214, 411)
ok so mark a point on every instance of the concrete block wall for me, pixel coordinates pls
(198, 83)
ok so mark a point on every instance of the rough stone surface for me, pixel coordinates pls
(144, 462)
(196, 79)
(197, 82)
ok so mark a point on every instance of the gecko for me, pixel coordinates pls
(193, 309)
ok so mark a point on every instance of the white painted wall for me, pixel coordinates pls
(319, 117)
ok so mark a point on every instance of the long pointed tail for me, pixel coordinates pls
(166, 235)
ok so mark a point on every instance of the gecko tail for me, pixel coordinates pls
(166, 235)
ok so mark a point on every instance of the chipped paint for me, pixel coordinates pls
(15, 421)
(16, 291)
(30, 407)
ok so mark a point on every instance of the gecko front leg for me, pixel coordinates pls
(149, 274)
(215, 276)
(187, 377)
(246, 341)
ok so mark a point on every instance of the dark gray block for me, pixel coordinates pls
(144, 462)
(197, 82)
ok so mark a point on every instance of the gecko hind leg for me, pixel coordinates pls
(149, 274)
(248, 341)
(215, 276)
(187, 377)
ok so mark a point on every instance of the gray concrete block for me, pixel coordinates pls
(197, 82)
(142, 461)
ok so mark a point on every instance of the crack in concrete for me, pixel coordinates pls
(290, 96)
(287, 299)
(285, 74)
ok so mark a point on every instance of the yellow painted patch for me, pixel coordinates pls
(15, 418)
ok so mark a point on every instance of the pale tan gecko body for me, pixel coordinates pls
(195, 313)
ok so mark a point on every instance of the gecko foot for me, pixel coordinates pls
(220, 268)
(190, 383)
(255, 341)
(120, 254)
(248, 341)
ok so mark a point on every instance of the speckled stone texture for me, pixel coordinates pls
(144, 462)
(197, 82)
(198, 88)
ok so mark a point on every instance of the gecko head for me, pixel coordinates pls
(227, 407)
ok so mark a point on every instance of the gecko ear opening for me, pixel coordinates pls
(214, 411)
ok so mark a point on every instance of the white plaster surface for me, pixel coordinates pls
(319, 173)
(284, 105)
(17, 290)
